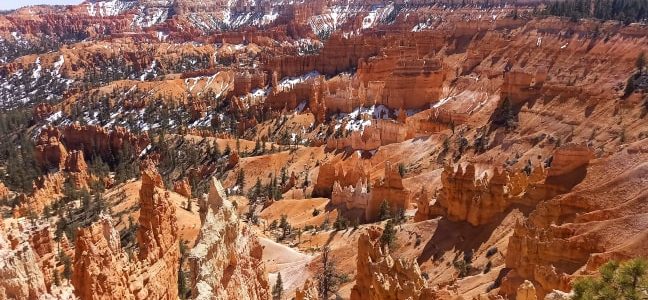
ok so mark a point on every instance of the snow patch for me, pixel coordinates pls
(289, 82)
(37, 72)
(54, 117)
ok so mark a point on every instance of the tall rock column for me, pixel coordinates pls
(157, 237)
(227, 259)
(103, 270)
(379, 276)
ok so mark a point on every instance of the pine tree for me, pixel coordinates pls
(329, 278)
(67, 266)
(385, 211)
(284, 176)
(641, 62)
(388, 237)
(277, 290)
(256, 190)
(625, 280)
(285, 226)
(240, 179)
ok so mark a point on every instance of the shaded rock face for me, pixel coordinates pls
(92, 139)
(227, 260)
(103, 270)
(77, 168)
(600, 219)
(382, 277)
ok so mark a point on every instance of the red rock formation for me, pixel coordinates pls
(77, 169)
(95, 139)
(423, 211)
(466, 197)
(103, 269)
(182, 187)
(100, 265)
(47, 189)
(308, 291)
(227, 260)
(526, 291)
(233, 160)
(369, 199)
(351, 197)
(42, 111)
(378, 133)
(331, 172)
(521, 85)
(4, 191)
(390, 188)
(409, 81)
(338, 54)
(577, 232)
(382, 277)
(49, 151)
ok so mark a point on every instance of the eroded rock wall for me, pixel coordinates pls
(380, 276)
(226, 262)
(104, 270)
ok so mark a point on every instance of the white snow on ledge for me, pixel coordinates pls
(289, 82)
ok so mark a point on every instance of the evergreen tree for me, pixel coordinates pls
(277, 290)
(240, 179)
(388, 237)
(285, 226)
(627, 280)
(67, 266)
(385, 211)
(340, 223)
(256, 191)
(641, 62)
(284, 176)
(329, 278)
